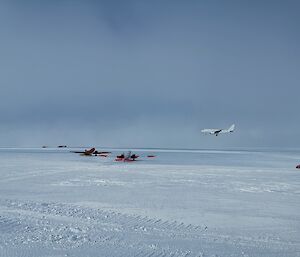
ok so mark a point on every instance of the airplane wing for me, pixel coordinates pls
(87, 152)
(101, 152)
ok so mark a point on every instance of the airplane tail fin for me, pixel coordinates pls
(92, 150)
(231, 129)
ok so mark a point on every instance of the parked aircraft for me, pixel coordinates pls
(86, 152)
(216, 132)
(127, 158)
(92, 151)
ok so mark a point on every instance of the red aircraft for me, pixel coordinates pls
(130, 157)
(91, 152)
(126, 158)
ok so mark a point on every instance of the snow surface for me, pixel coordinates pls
(181, 203)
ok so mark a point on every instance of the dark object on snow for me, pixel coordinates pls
(122, 156)
(101, 152)
(298, 166)
(134, 156)
(62, 146)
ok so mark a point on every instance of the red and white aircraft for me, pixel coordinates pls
(92, 151)
(126, 158)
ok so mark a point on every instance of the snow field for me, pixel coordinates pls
(182, 203)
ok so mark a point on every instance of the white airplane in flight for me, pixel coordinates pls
(216, 132)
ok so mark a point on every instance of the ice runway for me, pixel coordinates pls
(181, 203)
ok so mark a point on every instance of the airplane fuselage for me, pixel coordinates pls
(216, 132)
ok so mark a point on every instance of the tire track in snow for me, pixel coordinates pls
(10, 224)
(127, 221)
(69, 226)
(33, 174)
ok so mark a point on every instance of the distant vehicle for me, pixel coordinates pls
(101, 153)
(216, 132)
(298, 166)
(62, 146)
(126, 158)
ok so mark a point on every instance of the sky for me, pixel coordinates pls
(142, 73)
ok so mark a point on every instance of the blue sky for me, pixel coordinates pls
(149, 73)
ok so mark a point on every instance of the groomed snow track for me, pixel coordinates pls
(65, 226)
(60, 229)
